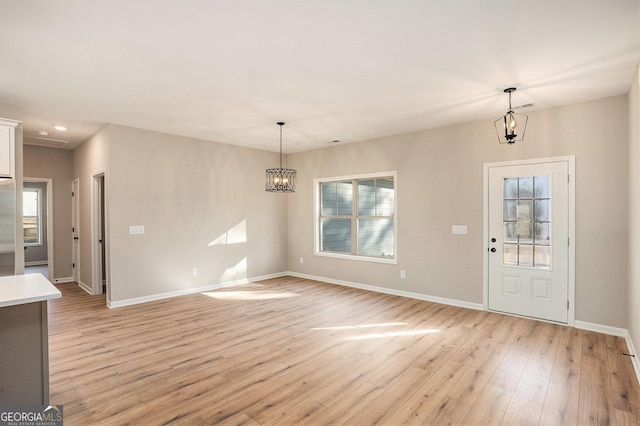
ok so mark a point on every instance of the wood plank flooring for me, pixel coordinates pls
(293, 351)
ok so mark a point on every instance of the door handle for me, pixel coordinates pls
(75, 238)
(493, 249)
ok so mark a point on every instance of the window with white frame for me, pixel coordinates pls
(356, 217)
(31, 212)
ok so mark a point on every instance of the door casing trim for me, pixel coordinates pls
(571, 267)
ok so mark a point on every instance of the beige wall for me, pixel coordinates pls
(56, 164)
(202, 204)
(440, 183)
(634, 212)
(89, 159)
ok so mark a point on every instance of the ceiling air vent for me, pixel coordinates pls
(46, 142)
(529, 105)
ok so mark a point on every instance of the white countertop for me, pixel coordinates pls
(21, 289)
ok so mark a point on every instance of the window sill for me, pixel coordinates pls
(393, 261)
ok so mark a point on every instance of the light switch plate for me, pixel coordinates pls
(459, 229)
(136, 229)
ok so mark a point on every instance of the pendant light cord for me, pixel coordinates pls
(281, 144)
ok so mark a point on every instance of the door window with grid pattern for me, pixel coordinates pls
(527, 222)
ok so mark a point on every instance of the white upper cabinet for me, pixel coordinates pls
(8, 148)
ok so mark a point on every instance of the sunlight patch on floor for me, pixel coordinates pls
(355, 327)
(393, 334)
(249, 295)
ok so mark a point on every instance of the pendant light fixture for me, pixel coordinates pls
(510, 128)
(279, 179)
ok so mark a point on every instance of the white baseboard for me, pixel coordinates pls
(152, 297)
(36, 263)
(63, 280)
(599, 328)
(85, 287)
(411, 295)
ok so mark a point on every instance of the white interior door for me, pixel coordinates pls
(75, 225)
(528, 258)
(98, 233)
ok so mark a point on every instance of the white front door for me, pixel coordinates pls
(528, 247)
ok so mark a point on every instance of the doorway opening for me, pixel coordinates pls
(38, 226)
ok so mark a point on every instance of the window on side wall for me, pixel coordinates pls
(31, 211)
(356, 217)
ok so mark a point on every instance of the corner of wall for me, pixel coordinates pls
(632, 351)
(633, 289)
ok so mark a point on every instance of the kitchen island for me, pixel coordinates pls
(24, 339)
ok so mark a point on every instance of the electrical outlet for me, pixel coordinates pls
(403, 274)
(301, 260)
(194, 271)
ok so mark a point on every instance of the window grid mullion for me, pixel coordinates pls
(375, 197)
(354, 214)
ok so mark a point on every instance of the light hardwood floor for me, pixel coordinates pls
(294, 351)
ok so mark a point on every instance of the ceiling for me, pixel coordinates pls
(345, 70)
